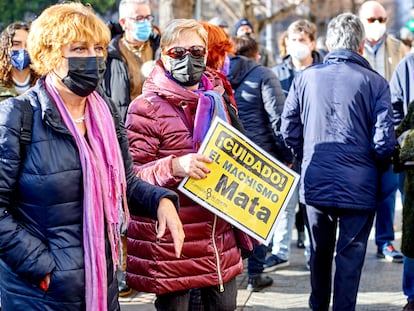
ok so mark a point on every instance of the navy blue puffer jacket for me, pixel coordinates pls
(338, 115)
(260, 99)
(41, 208)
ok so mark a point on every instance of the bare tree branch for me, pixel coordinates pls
(230, 9)
(277, 16)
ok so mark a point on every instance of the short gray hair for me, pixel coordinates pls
(345, 31)
(123, 6)
(175, 28)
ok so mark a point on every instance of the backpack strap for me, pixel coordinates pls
(27, 121)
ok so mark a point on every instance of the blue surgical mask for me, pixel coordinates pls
(142, 30)
(20, 59)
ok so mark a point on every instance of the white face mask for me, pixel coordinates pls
(374, 31)
(298, 50)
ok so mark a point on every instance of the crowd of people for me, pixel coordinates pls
(100, 123)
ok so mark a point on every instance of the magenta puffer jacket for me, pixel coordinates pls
(158, 131)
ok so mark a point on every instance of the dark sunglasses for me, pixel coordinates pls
(373, 19)
(179, 52)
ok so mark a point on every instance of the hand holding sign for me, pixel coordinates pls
(191, 165)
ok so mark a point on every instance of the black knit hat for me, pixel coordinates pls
(242, 22)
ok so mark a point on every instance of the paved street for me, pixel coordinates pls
(380, 288)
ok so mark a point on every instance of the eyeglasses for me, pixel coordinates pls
(179, 52)
(371, 20)
(140, 18)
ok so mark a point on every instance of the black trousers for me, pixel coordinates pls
(352, 227)
(211, 299)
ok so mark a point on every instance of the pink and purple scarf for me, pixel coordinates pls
(104, 202)
(210, 105)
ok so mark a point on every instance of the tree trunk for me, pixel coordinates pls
(171, 9)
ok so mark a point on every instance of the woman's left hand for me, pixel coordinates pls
(168, 217)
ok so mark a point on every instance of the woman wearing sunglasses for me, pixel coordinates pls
(165, 126)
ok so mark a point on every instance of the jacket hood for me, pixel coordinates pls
(240, 66)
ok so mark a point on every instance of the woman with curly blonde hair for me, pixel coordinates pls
(16, 77)
(65, 198)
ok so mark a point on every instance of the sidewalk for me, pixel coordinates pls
(380, 287)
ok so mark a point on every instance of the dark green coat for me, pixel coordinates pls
(407, 154)
(6, 92)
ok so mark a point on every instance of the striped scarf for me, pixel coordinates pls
(210, 105)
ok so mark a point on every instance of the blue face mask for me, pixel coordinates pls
(142, 30)
(20, 59)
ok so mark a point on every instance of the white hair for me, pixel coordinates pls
(345, 31)
(123, 6)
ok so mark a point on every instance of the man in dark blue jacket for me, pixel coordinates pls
(338, 121)
(402, 87)
(402, 94)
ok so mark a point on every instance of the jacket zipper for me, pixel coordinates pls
(220, 285)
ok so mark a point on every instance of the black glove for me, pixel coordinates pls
(383, 164)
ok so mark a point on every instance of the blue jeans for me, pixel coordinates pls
(384, 225)
(256, 261)
(211, 298)
(408, 278)
(401, 179)
(282, 236)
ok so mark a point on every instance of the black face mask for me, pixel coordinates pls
(84, 74)
(188, 70)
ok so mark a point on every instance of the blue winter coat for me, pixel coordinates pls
(402, 87)
(338, 115)
(41, 208)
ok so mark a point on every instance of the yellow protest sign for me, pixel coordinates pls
(246, 186)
